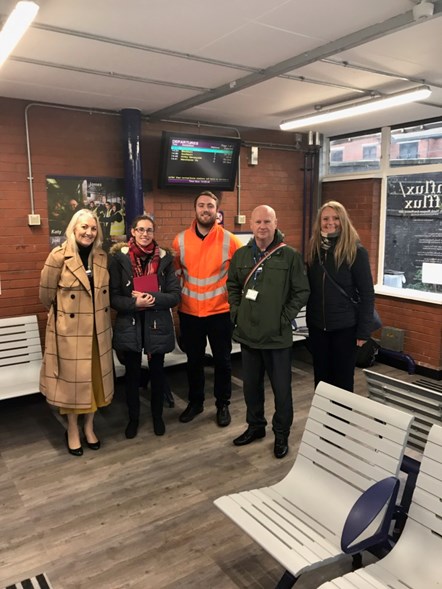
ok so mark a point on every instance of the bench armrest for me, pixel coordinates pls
(380, 496)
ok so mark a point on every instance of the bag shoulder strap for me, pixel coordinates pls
(335, 284)
(261, 261)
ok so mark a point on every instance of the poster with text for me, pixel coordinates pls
(104, 196)
(413, 232)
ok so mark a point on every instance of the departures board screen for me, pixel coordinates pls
(201, 161)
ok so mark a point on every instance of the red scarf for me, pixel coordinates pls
(136, 253)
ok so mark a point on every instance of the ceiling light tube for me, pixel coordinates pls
(373, 105)
(15, 27)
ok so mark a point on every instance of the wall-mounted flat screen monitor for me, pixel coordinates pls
(201, 161)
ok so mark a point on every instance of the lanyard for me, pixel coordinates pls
(261, 262)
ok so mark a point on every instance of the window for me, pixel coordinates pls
(369, 152)
(411, 238)
(416, 145)
(356, 154)
(408, 151)
(336, 155)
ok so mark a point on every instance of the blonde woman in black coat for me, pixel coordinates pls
(337, 325)
(144, 319)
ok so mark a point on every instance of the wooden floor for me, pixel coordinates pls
(139, 513)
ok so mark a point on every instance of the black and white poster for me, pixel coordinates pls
(413, 236)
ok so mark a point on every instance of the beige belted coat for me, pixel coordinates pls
(65, 290)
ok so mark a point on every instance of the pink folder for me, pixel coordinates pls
(146, 283)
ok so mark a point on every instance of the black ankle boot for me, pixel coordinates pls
(158, 426)
(131, 429)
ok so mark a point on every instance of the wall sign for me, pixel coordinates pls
(105, 196)
(413, 232)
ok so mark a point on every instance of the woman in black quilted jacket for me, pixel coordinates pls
(143, 290)
(340, 307)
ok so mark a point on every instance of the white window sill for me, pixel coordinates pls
(409, 293)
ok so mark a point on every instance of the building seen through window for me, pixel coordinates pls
(355, 154)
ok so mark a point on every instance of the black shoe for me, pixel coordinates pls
(131, 429)
(223, 416)
(281, 447)
(158, 426)
(92, 445)
(250, 435)
(73, 451)
(190, 412)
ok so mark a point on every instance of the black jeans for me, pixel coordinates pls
(334, 355)
(194, 334)
(132, 383)
(278, 365)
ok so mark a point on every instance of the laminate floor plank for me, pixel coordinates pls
(139, 514)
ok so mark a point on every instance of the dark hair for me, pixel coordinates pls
(142, 218)
(206, 193)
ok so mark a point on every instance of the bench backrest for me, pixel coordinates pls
(426, 507)
(349, 443)
(19, 341)
(423, 403)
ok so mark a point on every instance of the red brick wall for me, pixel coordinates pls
(422, 322)
(65, 142)
(71, 143)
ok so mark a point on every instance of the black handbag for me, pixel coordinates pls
(376, 321)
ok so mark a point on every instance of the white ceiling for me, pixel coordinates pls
(233, 62)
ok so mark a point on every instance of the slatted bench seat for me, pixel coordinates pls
(422, 398)
(299, 326)
(20, 356)
(177, 356)
(349, 443)
(415, 560)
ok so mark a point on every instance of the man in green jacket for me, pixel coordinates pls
(267, 286)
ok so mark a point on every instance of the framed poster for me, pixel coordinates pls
(104, 196)
(413, 232)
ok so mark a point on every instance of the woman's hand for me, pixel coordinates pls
(143, 299)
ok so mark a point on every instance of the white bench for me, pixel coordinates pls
(349, 443)
(20, 356)
(299, 326)
(423, 399)
(415, 560)
(177, 356)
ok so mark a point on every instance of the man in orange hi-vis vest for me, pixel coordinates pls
(202, 257)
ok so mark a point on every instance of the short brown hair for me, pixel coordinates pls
(206, 193)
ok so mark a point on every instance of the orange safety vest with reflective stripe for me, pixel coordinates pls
(202, 266)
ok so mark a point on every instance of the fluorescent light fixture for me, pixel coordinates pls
(15, 27)
(373, 105)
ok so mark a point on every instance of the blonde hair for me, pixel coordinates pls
(70, 235)
(347, 243)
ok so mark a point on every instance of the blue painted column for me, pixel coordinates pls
(133, 170)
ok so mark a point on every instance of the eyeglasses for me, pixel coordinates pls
(144, 230)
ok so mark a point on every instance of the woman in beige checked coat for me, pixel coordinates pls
(77, 369)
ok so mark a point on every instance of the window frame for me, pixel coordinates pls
(385, 171)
